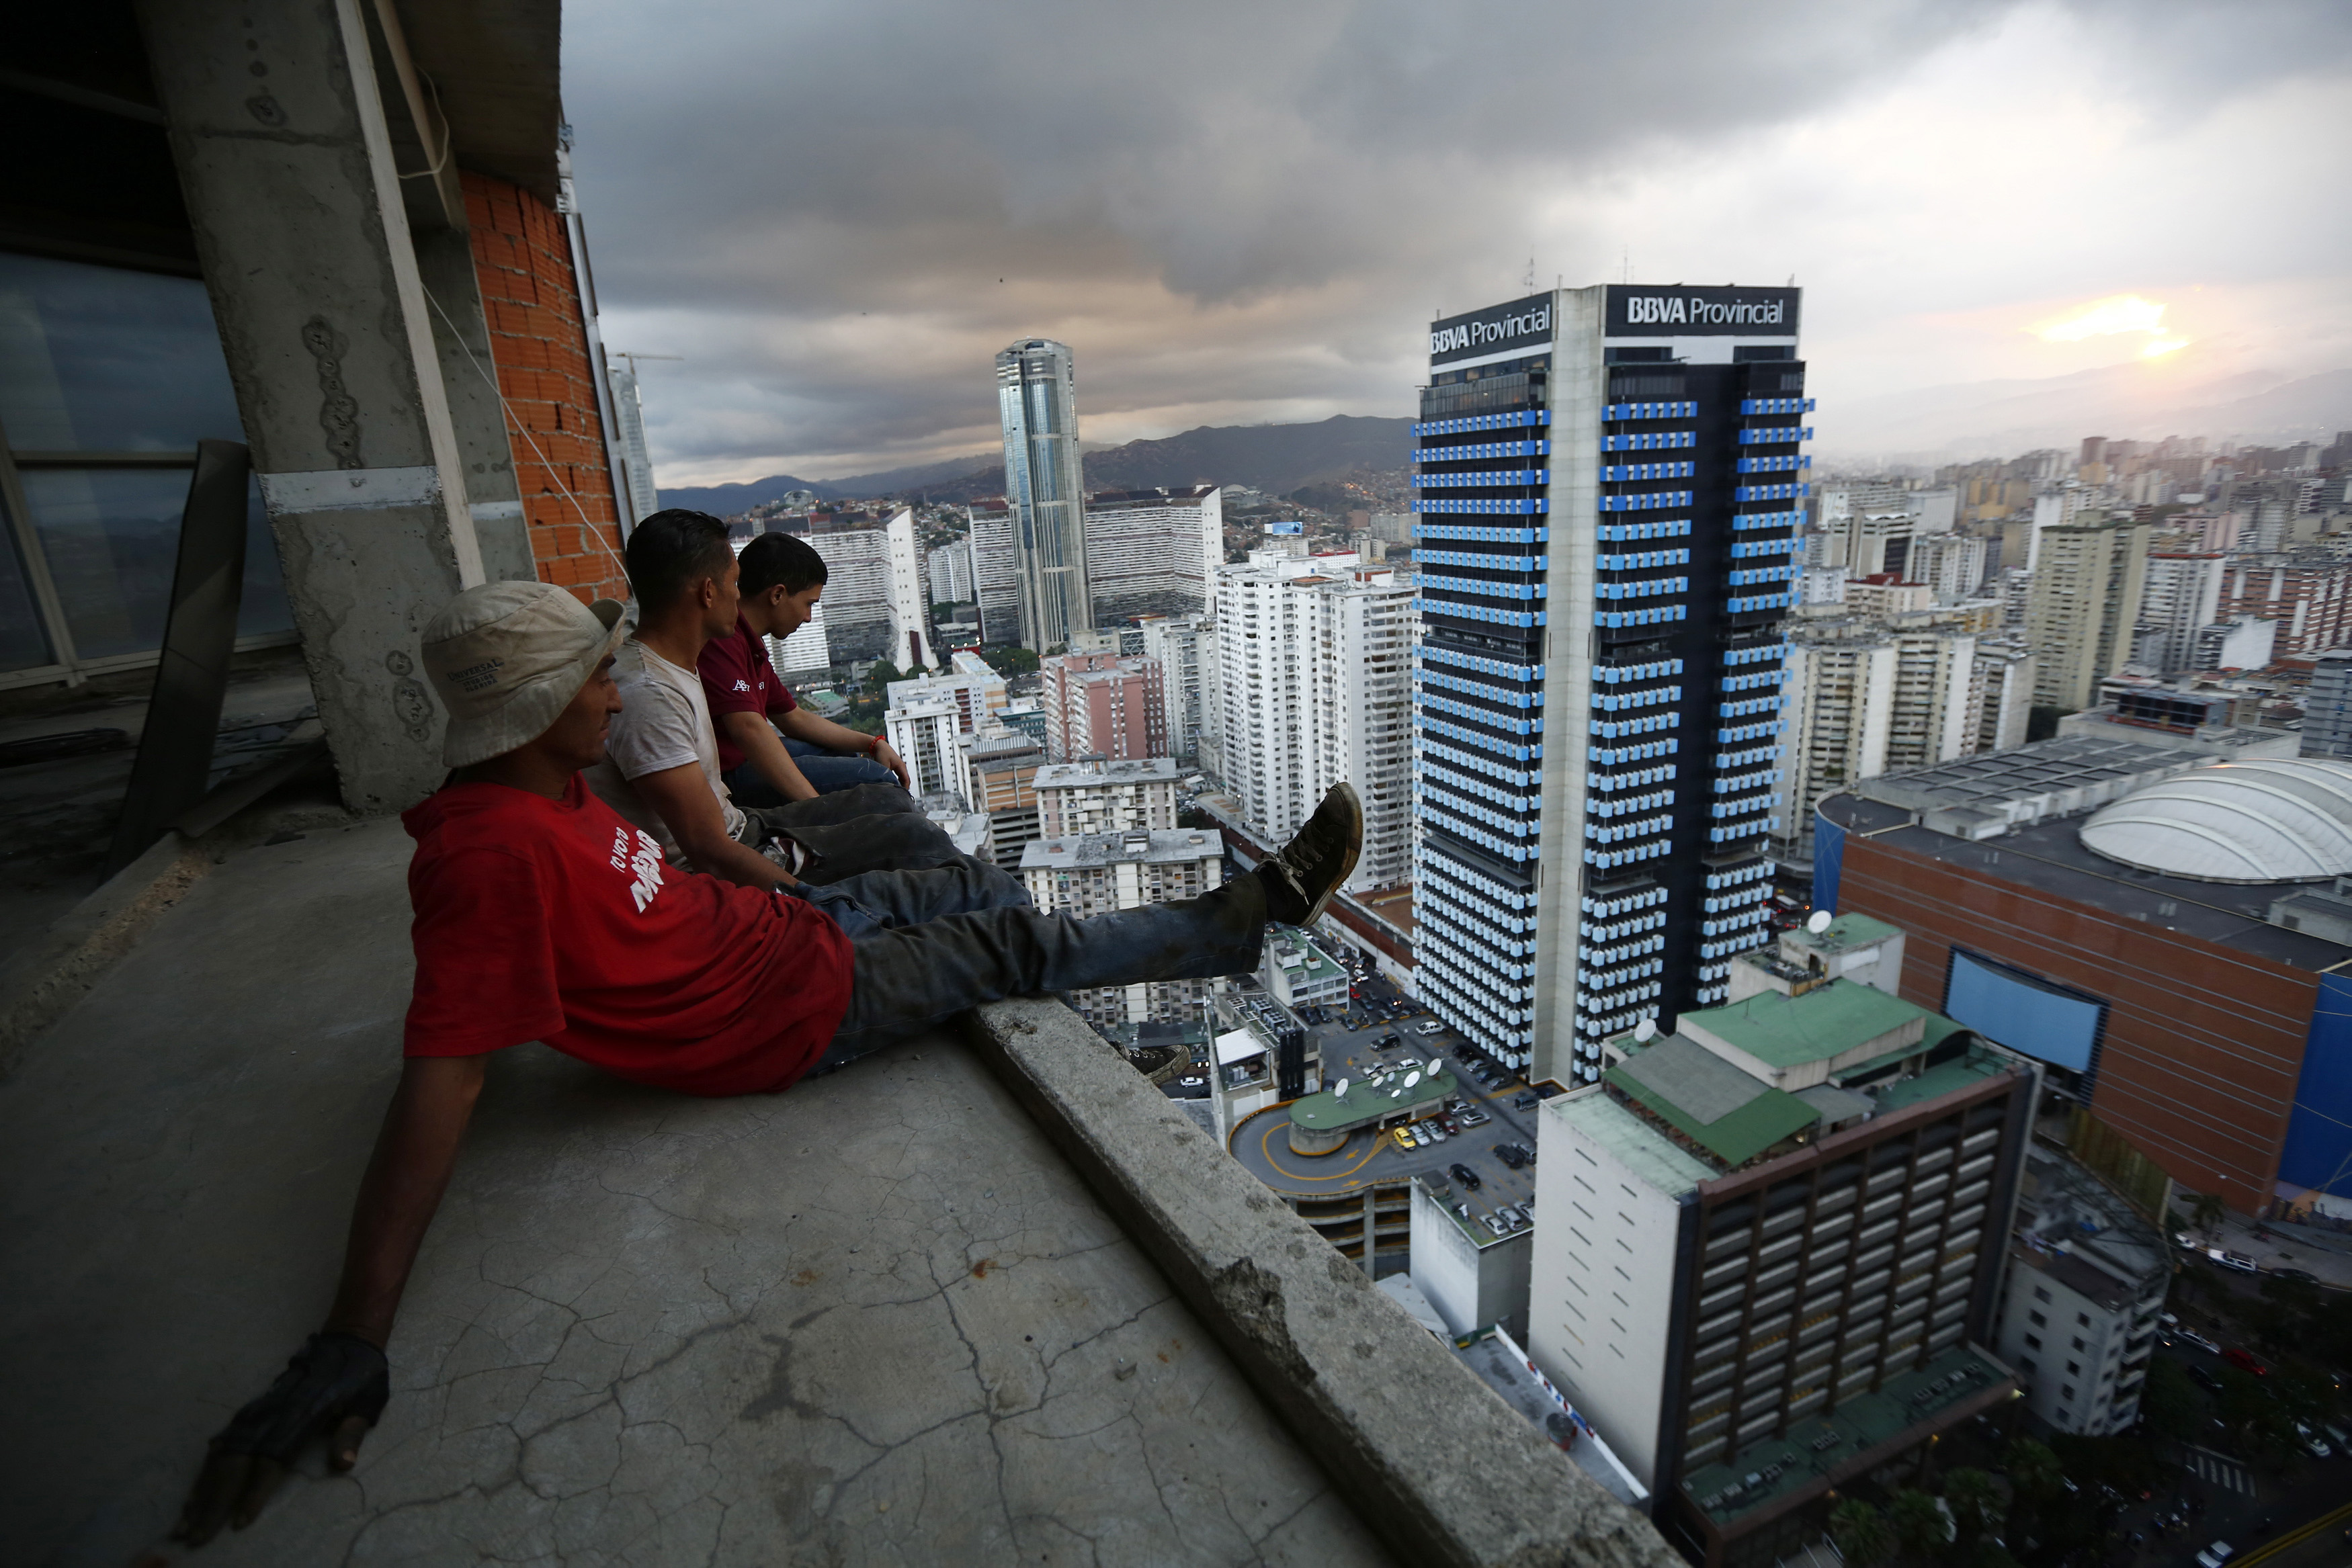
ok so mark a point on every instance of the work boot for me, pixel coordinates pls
(1301, 877)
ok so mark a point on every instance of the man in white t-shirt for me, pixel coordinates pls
(661, 769)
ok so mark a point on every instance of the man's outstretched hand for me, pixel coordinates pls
(335, 1386)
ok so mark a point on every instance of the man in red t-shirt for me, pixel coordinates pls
(542, 915)
(782, 580)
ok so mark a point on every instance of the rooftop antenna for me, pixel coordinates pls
(1819, 921)
(1530, 283)
(633, 359)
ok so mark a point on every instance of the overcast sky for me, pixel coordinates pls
(838, 211)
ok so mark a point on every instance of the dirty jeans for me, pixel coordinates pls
(874, 827)
(928, 967)
(828, 773)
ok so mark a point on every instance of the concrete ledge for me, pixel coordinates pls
(49, 974)
(1424, 1451)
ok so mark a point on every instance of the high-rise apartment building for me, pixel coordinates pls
(950, 569)
(924, 734)
(2307, 592)
(1153, 552)
(1038, 399)
(1953, 566)
(2000, 694)
(875, 602)
(2083, 606)
(636, 465)
(1101, 705)
(1929, 721)
(1176, 642)
(977, 691)
(1596, 767)
(2182, 596)
(2327, 707)
(1840, 692)
(1099, 797)
(1000, 769)
(1767, 1247)
(1098, 873)
(995, 575)
(1314, 674)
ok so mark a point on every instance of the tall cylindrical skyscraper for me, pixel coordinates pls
(1036, 394)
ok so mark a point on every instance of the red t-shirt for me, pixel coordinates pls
(738, 678)
(557, 921)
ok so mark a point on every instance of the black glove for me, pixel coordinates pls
(336, 1384)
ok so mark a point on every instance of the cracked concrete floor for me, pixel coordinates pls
(877, 1320)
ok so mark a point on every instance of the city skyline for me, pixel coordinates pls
(1217, 233)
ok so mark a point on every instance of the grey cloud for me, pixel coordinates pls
(1220, 203)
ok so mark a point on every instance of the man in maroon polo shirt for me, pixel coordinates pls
(782, 580)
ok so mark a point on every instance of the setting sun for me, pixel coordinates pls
(2106, 318)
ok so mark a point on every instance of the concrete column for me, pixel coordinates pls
(288, 169)
(445, 262)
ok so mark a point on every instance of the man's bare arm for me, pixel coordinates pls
(337, 1384)
(757, 739)
(682, 797)
(802, 725)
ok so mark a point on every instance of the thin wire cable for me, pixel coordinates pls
(593, 531)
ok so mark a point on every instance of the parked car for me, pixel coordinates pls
(2245, 1361)
(2200, 1342)
(1438, 1131)
(1465, 1175)
(2214, 1556)
(1508, 1153)
(1526, 1100)
(1404, 1140)
(1494, 1224)
(1473, 1117)
(1428, 1026)
(2236, 1262)
(2305, 1275)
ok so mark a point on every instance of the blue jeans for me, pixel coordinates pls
(876, 831)
(828, 773)
(940, 955)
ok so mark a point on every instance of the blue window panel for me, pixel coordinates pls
(1650, 441)
(1635, 473)
(1488, 479)
(1775, 434)
(1615, 619)
(1616, 411)
(1520, 506)
(1469, 423)
(1645, 501)
(1776, 405)
(1482, 450)
(1772, 465)
(1772, 492)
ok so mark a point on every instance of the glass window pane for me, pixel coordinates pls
(99, 359)
(111, 538)
(22, 644)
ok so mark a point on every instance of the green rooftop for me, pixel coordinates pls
(1847, 932)
(1821, 1449)
(1941, 1079)
(1368, 1098)
(1735, 1138)
(1783, 1032)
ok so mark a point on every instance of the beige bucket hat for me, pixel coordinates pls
(507, 657)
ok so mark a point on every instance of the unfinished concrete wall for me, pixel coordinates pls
(284, 160)
(530, 299)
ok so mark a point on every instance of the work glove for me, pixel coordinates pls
(336, 1384)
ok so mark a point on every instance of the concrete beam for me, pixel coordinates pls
(279, 132)
(1442, 1468)
(461, 339)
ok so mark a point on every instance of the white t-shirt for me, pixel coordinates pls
(664, 723)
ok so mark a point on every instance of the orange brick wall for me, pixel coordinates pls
(523, 261)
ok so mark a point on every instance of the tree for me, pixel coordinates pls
(1862, 1533)
(2206, 1213)
(883, 673)
(2169, 1403)
(2033, 1469)
(1010, 659)
(1976, 1501)
(1920, 1528)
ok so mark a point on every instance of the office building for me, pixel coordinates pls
(1096, 874)
(1184, 647)
(635, 467)
(1314, 678)
(1635, 448)
(1298, 974)
(1037, 398)
(1767, 1248)
(2082, 607)
(1103, 705)
(999, 770)
(1153, 552)
(2327, 707)
(1098, 796)
(924, 734)
(2163, 933)
(2236, 646)
(2086, 1282)
(875, 604)
(2180, 597)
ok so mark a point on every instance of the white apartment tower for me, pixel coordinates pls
(1098, 873)
(924, 733)
(1610, 494)
(1176, 642)
(1153, 552)
(1315, 678)
(2182, 596)
(1037, 400)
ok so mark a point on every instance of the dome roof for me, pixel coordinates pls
(2286, 819)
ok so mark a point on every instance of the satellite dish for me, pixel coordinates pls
(1340, 1090)
(1436, 1065)
(1646, 1031)
(1410, 1079)
(1819, 921)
